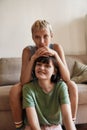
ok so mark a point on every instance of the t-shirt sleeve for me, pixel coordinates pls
(64, 95)
(27, 96)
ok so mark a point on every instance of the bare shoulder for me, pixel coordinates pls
(58, 48)
(26, 51)
(26, 54)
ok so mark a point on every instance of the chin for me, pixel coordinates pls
(41, 78)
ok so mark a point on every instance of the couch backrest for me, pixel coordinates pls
(10, 69)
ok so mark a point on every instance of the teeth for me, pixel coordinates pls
(41, 72)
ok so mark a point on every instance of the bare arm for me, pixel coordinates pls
(62, 62)
(32, 118)
(28, 61)
(27, 64)
(67, 117)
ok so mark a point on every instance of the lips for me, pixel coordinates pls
(41, 72)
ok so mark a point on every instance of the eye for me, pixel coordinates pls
(38, 64)
(47, 66)
(45, 36)
(37, 37)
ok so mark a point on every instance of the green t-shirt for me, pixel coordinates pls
(47, 105)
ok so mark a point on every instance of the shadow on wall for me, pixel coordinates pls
(72, 36)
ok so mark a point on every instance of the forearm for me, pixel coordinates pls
(32, 118)
(63, 69)
(69, 125)
(65, 75)
(67, 117)
(27, 73)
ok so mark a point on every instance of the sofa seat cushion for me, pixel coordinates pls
(4, 97)
(82, 90)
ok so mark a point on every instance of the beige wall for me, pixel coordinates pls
(66, 16)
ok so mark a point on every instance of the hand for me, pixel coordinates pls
(46, 51)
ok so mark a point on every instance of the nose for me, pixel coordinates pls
(42, 40)
(42, 67)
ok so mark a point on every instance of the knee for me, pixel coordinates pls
(72, 86)
(15, 92)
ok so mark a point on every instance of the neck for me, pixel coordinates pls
(46, 86)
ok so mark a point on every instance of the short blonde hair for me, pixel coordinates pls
(41, 24)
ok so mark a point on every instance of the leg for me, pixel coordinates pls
(73, 93)
(16, 104)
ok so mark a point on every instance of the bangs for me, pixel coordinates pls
(41, 24)
(43, 59)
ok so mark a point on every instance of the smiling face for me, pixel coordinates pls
(44, 70)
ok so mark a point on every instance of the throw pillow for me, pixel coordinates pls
(79, 73)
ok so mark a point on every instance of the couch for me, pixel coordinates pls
(10, 69)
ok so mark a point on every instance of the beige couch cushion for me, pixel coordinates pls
(10, 69)
(82, 89)
(4, 97)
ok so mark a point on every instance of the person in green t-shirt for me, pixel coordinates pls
(46, 98)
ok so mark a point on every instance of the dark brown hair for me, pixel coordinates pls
(44, 59)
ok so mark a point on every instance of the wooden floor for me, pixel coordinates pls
(80, 127)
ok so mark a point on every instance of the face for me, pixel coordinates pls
(42, 37)
(44, 71)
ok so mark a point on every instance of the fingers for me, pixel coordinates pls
(45, 51)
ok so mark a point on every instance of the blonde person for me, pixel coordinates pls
(46, 99)
(42, 35)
